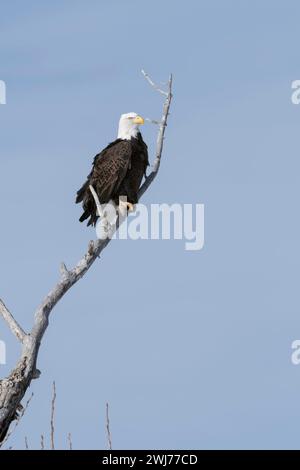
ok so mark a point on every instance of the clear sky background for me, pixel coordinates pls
(191, 349)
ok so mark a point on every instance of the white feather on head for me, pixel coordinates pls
(129, 126)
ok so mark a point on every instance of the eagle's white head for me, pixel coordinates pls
(129, 125)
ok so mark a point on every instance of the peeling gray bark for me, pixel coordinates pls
(14, 387)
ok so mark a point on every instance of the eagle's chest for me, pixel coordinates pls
(137, 160)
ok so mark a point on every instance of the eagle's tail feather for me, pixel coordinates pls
(81, 193)
(84, 216)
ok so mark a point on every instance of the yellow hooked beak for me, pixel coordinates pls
(138, 120)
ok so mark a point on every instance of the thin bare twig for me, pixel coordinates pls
(108, 428)
(12, 323)
(26, 443)
(42, 442)
(52, 415)
(153, 121)
(153, 84)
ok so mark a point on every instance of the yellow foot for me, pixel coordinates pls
(130, 207)
(125, 207)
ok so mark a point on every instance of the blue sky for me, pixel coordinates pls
(191, 349)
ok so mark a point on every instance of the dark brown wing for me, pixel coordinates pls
(133, 178)
(109, 169)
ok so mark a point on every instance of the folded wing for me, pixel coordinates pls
(109, 169)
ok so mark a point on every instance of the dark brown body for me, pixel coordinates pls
(117, 171)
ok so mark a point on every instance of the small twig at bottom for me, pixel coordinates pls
(108, 428)
(52, 416)
(70, 441)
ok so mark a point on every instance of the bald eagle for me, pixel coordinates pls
(117, 171)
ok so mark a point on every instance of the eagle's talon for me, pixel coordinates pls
(125, 207)
(130, 207)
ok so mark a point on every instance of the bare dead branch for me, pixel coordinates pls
(14, 387)
(154, 84)
(12, 323)
(160, 136)
(42, 442)
(26, 443)
(108, 428)
(153, 121)
(52, 430)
